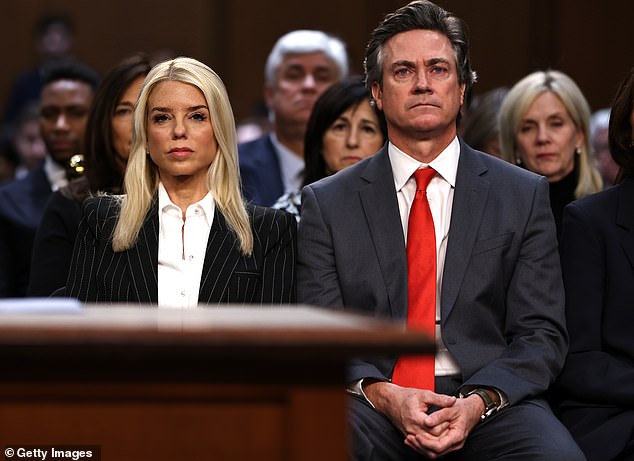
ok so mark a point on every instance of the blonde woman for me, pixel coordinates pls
(544, 127)
(181, 235)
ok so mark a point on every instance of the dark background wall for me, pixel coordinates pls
(588, 40)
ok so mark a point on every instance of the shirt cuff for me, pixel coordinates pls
(356, 389)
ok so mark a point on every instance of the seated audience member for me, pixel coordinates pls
(54, 37)
(480, 126)
(424, 233)
(24, 141)
(344, 128)
(606, 165)
(300, 67)
(544, 127)
(67, 93)
(181, 235)
(596, 385)
(107, 146)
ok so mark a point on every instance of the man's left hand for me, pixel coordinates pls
(448, 428)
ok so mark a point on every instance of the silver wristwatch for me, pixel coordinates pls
(490, 407)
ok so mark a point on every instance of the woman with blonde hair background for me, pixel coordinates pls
(544, 127)
(182, 235)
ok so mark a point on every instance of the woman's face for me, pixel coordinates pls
(547, 138)
(122, 122)
(180, 137)
(353, 136)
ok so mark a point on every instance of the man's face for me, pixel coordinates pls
(299, 81)
(63, 115)
(421, 94)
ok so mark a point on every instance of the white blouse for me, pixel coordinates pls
(181, 249)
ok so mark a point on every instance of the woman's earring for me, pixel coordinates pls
(577, 150)
(518, 161)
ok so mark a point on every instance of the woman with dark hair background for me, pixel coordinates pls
(344, 128)
(596, 386)
(108, 140)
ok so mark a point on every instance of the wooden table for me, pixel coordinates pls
(229, 383)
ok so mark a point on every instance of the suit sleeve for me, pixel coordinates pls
(81, 282)
(279, 235)
(534, 325)
(591, 373)
(317, 278)
(53, 246)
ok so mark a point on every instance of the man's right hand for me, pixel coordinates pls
(408, 409)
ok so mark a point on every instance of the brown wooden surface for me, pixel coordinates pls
(228, 383)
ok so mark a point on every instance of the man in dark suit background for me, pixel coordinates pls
(67, 92)
(499, 296)
(300, 67)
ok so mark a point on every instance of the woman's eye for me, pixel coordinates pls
(159, 118)
(339, 127)
(123, 111)
(199, 117)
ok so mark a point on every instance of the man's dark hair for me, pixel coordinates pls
(69, 69)
(420, 14)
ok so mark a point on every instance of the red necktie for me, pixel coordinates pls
(418, 371)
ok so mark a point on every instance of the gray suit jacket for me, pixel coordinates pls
(98, 274)
(502, 303)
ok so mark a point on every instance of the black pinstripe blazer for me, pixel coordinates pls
(98, 274)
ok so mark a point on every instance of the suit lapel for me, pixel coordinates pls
(625, 217)
(143, 259)
(380, 206)
(469, 201)
(221, 259)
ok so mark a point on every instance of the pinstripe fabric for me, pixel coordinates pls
(97, 274)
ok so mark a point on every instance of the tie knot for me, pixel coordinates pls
(423, 177)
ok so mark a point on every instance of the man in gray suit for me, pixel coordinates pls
(499, 296)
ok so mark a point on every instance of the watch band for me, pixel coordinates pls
(490, 407)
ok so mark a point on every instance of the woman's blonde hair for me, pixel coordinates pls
(517, 102)
(223, 177)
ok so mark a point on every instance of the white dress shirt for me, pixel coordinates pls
(55, 173)
(291, 166)
(440, 196)
(181, 249)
